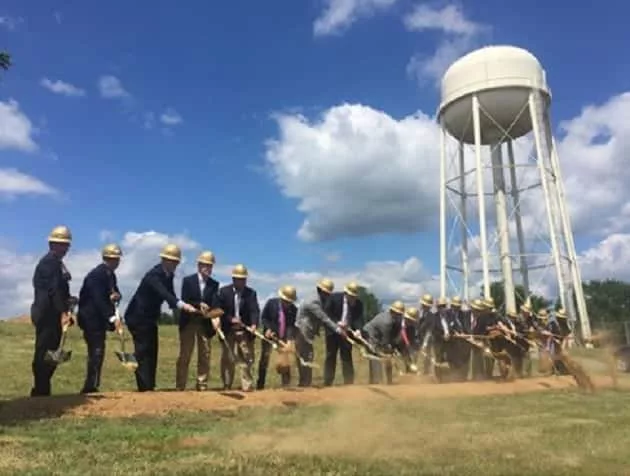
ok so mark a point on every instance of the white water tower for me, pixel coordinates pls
(493, 100)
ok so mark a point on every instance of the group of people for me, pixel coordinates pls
(454, 336)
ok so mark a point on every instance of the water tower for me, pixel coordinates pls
(493, 101)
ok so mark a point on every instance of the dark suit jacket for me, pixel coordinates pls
(52, 290)
(191, 293)
(249, 310)
(95, 306)
(270, 318)
(146, 304)
(334, 308)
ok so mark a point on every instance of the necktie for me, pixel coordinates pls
(283, 323)
(237, 305)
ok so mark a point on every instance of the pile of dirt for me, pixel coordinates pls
(129, 404)
(23, 319)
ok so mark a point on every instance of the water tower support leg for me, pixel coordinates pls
(516, 200)
(481, 198)
(578, 289)
(443, 263)
(541, 154)
(502, 227)
(464, 222)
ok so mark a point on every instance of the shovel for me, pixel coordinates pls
(128, 360)
(60, 355)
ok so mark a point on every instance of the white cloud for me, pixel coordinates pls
(339, 15)
(58, 17)
(10, 23)
(13, 183)
(61, 87)
(111, 87)
(171, 117)
(357, 171)
(459, 36)
(16, 129)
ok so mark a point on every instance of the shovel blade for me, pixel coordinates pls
(58, 356)
(128, 360)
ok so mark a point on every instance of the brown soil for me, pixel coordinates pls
(128, 404)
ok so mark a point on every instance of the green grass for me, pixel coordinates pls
(559, 432)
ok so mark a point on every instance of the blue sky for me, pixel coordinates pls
(224, 69)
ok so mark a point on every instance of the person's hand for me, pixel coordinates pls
(342, 332)
(118, 327)
(268, 334)
(67, 319)
(235, 320)
(356, 333)
(252, 328)
(189, 308)
(114, 297)
(216, 323)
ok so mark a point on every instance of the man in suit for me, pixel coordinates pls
(51, 306)
(97, 313)
(382, 333)
(197, 288)
(425, 324)
(143, 313)
(241, 310)
(346, 310)
(311, 316)
(278, 323)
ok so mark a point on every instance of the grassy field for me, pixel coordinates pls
(550, 432)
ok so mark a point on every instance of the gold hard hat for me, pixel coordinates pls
(60, 234)
(561, 313)
(352, 288)
(456, 302)
(326, 285)
(171, 252)
(288, 293)
(206, 257)
(489, 302)
(543, 314)
(427, 300)
(239, 271)
(412, 313)
(478, 305)
(442, 301)
(112, 251)
(398, 307)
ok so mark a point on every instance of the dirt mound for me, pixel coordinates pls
(23, 319)
(128, 404)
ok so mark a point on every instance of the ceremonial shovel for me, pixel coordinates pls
(128, 360)
(60, 355)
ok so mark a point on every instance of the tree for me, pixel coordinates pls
(5, 60)
(371, 305)
(498, 294)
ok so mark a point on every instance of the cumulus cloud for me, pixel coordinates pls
(357, 171)
(339, 15)
(16, 129)
(10, 23)
(111, 87)
(61, 87)
(459, 35)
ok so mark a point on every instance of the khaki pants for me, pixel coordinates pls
(194, 331)
(241, 349)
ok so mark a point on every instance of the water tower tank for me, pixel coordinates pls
(502, 78)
